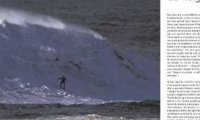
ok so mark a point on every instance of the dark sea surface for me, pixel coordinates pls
(147, 110)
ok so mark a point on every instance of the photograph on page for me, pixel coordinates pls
(80, 59)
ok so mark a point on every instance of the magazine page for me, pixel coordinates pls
(180, 59)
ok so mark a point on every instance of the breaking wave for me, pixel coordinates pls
(35, 50)
(24, 19)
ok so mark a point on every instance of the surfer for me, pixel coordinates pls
(62, 82)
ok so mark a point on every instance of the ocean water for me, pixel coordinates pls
(92, 117)
(39, 46)
(37, 49)
(147, 110)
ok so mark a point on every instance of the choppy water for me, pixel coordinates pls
(114, 110)
(91, 117)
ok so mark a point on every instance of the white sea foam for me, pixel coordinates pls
(21, 18)
(27, 93)
(78, 29)
(87, 117)
(47, 48)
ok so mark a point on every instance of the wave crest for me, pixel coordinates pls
(26, 18)
(21, 18)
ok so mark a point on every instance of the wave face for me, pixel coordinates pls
(35, 50)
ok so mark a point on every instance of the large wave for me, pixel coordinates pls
(35, 50)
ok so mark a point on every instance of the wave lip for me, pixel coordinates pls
(22, 18)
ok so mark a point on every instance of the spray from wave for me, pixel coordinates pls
(17, 92)
(24, 19)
